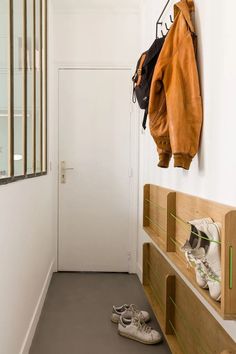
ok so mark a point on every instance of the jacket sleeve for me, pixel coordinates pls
(184, 104)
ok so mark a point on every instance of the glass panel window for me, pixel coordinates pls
(4, 75)
(23, 89)
(30, 98)
(44, 85)
(18, 86)
(38, 64)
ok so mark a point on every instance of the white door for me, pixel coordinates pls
(94, 141)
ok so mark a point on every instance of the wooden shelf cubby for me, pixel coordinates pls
(166, 214)
(187, 325)
(156, 221)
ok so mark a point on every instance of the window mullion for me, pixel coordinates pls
(34, 90)
(11, 92)
(45, 83)
(24, 69)
(41, 83)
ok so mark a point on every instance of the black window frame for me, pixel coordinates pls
(43, 143)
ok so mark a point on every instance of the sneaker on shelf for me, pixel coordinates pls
(206, 258)
(128, 311)
(210, 263)
(193, 256)
(196, 240)
(136, 329)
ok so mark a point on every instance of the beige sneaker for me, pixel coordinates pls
(206, 257)
(138, 330)
(193, 248)
(210, 263)
(128, 311)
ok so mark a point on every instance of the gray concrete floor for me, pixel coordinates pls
(76, 315)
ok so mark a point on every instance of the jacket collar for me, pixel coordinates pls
(186, 7)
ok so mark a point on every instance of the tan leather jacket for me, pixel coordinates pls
(175, 106)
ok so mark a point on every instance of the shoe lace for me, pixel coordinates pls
(187, 249)
(191, 260)
(210, 274)
(141, 325)
(135, 311)
(133, 308)
(202, 266)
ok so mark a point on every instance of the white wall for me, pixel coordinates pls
(27, 253)
(213, 171)
(26, 256)
(81, 34)
(97, 34)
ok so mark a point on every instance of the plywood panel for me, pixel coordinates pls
(155, 215)
(166, 220)
(194, 329)
(190, 208)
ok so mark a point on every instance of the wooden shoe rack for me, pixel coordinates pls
(188, 327)
(166, 276)
(165, 217)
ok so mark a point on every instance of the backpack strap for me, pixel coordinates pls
(134, 98)
(144, 124)
(138, 75)
(139, 71)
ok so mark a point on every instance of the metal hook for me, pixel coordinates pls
(163, 11)
(166, 27)
(162, 33)
(158, 24)
(171, 19)
(158, 21)
(156, 30)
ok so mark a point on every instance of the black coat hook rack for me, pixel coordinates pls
(160, 23)
(167, 27)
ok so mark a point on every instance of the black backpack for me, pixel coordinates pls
(143, 76)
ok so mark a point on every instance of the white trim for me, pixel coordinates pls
(139, 272)
(37, 311)
(73, 65)
(96, 11)
(134, 187)
(56, 124)
(126, 68)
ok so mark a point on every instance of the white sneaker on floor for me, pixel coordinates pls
(128, 311)
(138, 330)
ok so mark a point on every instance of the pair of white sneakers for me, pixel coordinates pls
(132, 324)
(202, 251)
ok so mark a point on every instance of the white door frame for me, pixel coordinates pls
(133, 125)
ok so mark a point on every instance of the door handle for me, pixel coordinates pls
(63, 171)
